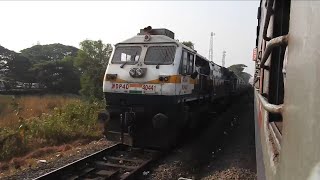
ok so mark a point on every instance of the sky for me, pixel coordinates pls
(27, 23)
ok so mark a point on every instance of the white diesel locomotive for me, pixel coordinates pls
(155, 87)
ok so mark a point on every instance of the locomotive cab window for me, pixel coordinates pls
(128, 54)
(160, 55)
(187, 63)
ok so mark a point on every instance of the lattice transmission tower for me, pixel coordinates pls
(223, 58)
(211, 47)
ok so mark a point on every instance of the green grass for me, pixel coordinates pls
(72, 121)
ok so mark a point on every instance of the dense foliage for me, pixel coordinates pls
(57, 68)
(189, 44)
(14, 67)
(50, 52)
(73, 121)
(92, 60)
(59, 76)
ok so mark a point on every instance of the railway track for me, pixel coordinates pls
(116, 162)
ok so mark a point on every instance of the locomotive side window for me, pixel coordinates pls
(191, 62)
(160, 55)
(129, 54)
(187, 64)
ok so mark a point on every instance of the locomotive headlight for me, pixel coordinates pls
(139, 72)
(132, 72)
(164, 78)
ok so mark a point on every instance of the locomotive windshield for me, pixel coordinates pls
(128, 54)
(160, 55)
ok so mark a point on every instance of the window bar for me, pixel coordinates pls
(278, 41)
(272, 108)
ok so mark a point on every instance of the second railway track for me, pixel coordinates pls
(116, 162)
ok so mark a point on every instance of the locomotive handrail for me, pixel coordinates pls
(277, 134)
(272, 108)
(256, 79)
(124, 43)
(267, 20)
(278, 41)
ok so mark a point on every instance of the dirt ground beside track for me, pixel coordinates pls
(215, 153)
(35, 167)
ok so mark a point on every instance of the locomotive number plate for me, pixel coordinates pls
(149, 87)
(134, 88)
(120, 86)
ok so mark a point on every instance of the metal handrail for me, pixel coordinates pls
(278, 41)
(276, 131)
(256, 79)
(272, 108)
(276, 136)
(267, 20)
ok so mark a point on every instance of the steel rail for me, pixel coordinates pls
(105, 165)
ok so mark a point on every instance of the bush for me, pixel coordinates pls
(11, 143)
(73, 121)
(15, 107)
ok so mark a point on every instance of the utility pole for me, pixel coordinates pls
(211, 47)
(223, 58)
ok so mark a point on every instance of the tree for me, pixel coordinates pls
(53, 68)
(238, 70)
(189, 44)
(14, 67)
(49, 52)
(92, 60)
(59, 76)
(5, 56)
(18, 69)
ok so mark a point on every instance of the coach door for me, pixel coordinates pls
(187, 68)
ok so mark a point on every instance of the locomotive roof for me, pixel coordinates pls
(139, 39)
(158, 39)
